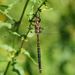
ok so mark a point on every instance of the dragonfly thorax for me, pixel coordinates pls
(37, 25)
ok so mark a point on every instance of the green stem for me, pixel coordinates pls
(5, 73)
(20, 20)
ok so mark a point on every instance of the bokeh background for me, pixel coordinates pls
(57, 38)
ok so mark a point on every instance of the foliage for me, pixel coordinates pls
(18, 55)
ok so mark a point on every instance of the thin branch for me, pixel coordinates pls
(24, 10)
(15, 55)
(7, 16)
(8, 65)
(18, 52)
(20, 20)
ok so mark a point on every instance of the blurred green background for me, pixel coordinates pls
(57, 39)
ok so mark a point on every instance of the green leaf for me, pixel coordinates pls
(3, 7)
(25, 52)
(31, 34)
(3, 24)
(18, 69)
(6, 47)
(15, 33)
(5, 13)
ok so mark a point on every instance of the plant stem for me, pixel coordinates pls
(7, 68)
(18, 52)
(15, 55)
(20, 20)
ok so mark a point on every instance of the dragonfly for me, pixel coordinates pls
(37, 31)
